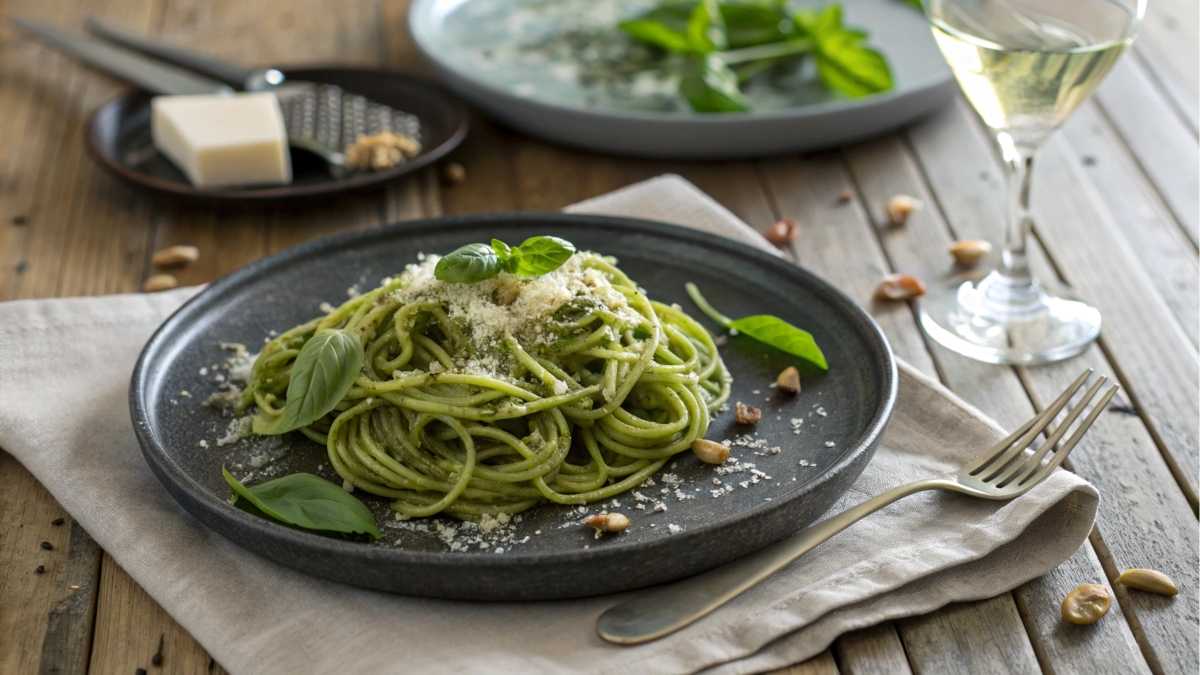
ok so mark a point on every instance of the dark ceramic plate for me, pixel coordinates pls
(119, 138)
(844, 413)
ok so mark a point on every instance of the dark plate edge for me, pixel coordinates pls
(170, 473)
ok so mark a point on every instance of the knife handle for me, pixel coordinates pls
(232, 74)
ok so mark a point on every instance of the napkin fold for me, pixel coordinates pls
(64, 375)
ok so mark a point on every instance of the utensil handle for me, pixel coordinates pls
(658, 612)
(229, 73)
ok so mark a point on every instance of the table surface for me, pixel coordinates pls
(1118, 212)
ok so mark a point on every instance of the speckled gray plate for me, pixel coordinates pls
(812, 469)
(482, 50)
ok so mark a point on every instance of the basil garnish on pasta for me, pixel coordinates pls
(475, 262)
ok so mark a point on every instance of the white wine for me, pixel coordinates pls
(1025, 65)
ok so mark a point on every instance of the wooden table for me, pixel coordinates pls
(1118, 217)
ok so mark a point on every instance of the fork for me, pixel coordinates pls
(1007, 470)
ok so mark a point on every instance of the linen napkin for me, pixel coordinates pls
(64, 374)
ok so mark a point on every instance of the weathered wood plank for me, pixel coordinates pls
(1167, 47)
(821, 664)
(1144, 521)
(131, 629)
(972, 637)
(68, 642)
(53, 243)
(1142, 219)
(872, 651)
(1140, 501)
(28, 513)
(838, 241)
(1164, 145)
(1159, 364)
(883, 168)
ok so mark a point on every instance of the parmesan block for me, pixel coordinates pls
(221, 140)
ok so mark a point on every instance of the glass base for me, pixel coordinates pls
(1000, 321)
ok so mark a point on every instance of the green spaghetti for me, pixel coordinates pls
(492, 397)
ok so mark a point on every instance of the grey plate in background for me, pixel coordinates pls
(477, 46)
(561, 559)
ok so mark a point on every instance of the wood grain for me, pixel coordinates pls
(1168, 50)
(1119, 455)
(1164, 145)
(1143, 220)
(883, 168)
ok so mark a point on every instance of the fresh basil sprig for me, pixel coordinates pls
(770, 330)
(305, 501)
(323, 372)
(475, 262)
(722, 43)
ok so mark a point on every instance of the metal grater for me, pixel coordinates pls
(326, 119)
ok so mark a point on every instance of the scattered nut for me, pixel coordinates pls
(844, 197)
(159, 282)
(788, 380)
(607, 522)
(900, 207)
(46, 546)
(454, 173)
(58, 521)
(40, 569)
(782, 232)
(1151, 581)
(710, 452)
(968, 252)
(899, 287)
(1086, 604)
(747, 414)
(381, 151)
(175, 256)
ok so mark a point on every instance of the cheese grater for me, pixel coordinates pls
(323, 119)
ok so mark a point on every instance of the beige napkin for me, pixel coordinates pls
(64, 372)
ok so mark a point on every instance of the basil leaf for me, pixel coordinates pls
(770, 330)
(323, 372)
(469, 264)
(307, 501)
(539, 255)
(844, 63)
(502, 250)
(712, 86)
(851, 68)
(755, 22)
(706, 28)
(783, 336)
(665, 26)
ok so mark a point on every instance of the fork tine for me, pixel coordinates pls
(1021, 470)
(1003, 452)
(1066, 448)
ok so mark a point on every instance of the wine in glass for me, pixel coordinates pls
(1024, 65)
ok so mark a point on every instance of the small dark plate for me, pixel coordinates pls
(844, 413)
(119, 138)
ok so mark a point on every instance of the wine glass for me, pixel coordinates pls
(1024, 65)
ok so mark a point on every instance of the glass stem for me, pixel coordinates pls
(1014, 262)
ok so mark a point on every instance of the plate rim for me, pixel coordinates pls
(791, 114)
(166, 469)
(434, 90)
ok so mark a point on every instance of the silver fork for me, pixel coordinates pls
(1008, 470)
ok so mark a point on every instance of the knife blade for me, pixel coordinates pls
(153, 76)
